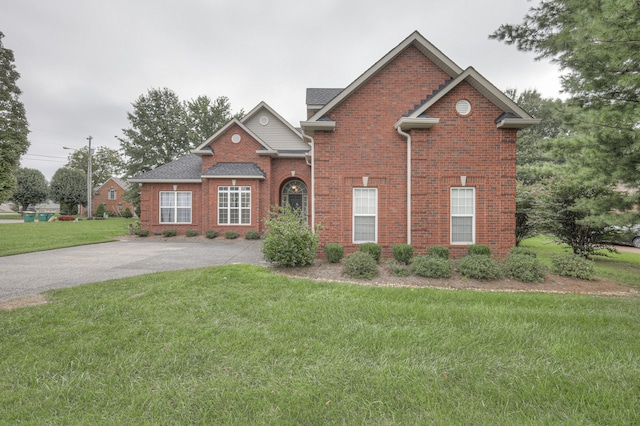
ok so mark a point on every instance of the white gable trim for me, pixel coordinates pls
(200, 150)
(264, 105)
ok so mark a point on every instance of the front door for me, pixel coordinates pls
(295, 201)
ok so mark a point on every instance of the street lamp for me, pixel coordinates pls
(89, 183)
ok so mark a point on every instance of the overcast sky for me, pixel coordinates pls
(84, 62)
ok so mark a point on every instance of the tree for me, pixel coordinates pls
(577, 211)
(105, 163)
(69, 188)
(597, 44)
(206, 117)
(31, 187)
(14, 127)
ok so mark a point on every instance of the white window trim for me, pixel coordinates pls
(353, 216)
(242, 189)
(115, 194)
(473, 217)
(175, 207)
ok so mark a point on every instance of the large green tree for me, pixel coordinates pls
(31, 187)
(69, 188)
(597, 45)
(105, 163)
(205, 116)
(14, 127)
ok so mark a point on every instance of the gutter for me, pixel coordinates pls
(408, 136)
(313, 179)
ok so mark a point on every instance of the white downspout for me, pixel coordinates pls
(313, 181)
(408, 136)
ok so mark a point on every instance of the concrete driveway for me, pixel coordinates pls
(30, 274)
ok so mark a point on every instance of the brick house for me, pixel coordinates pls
(111, 194)
(415, 150)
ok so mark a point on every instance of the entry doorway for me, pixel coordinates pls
(294, 193)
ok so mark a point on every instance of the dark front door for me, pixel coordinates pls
(295, 201)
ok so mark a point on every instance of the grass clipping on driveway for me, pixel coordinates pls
(240, 345)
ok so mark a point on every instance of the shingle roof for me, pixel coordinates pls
(321, 96)
(188, 167)
(235, 169)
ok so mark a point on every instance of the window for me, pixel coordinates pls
(112, 194)
(365, 215)
(234, 205)
(175, 207)
(463, 211)
(294, 193)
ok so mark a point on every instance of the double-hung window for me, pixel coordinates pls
(365, 215)
(463, 215)
(234, 205)
(112, 194)
(175, 206)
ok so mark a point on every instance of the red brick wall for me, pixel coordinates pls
(365, 143)
(102, 197)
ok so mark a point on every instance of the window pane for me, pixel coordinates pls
(167, 199)
(184, 215)
(462, 201)
(246, 216)
(184, 199)
(364, 228)
(364, 201)
(223, 217)
(223, 199)
(166, 215)
(461, 229)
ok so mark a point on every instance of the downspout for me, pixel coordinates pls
(313, 181)
(408, 136)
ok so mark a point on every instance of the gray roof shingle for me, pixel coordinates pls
(188, 167)
(321, 96)
(235, 169)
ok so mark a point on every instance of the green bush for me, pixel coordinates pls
(334, 252)
(169, 232)
(431, 267)
(523, 251)
(439, 251)
(100, 211)
(572, 265)
(479, 266)
(127, 213)
(478, 249)
(360, 265)
(231, 235)
(142, 232)
(372, 249)
(211, 234)
(403, 253)
(524, 267)
(191, 233)
(399, 270)
(289, 240)
(252, 235)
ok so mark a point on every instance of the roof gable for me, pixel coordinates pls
(417, 40)
(204, 149)
(272, 129)
(121, 183)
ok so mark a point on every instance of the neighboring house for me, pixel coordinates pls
(111, 195)
(416, 150)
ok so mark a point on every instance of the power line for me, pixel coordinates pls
(48, 156)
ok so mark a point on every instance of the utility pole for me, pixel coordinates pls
(89, 183)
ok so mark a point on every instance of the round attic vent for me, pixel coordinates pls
(235, 138)
(264, 120)
(463, 107)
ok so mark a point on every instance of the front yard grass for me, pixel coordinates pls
(17, 238)
(620, 267)
(240, 345)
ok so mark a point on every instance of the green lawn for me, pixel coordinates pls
(240, 345)
(17, 238)
(620, 267)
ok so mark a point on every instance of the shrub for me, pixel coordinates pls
(289, 240)
(231, 235)
(524, 267)
(479, 249)
(191, 233)
(169, 232)
(572, 265)
(399, 270)
(403, 253)
(439, 251)
(479, 266)
(127, 213)
(523, 251)
(252, 235)
(211, 234)
(372, 249)
(360, 265)
(101, 210)
(142, 232)
(431, 267)
(334, 252)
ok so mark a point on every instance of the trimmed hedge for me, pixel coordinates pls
(439, 251)
(252, 235)
(480, 267)
(524, 267)
(572, 265)
(334, 252)
(403, 253)
(169, 232)
(211, 234)
(479, 249)
(360, 265)
(372, 249)
(231, 235)
(431, 267)
(191, 233)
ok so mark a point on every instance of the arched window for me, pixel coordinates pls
(112, 194)
(294, 193)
